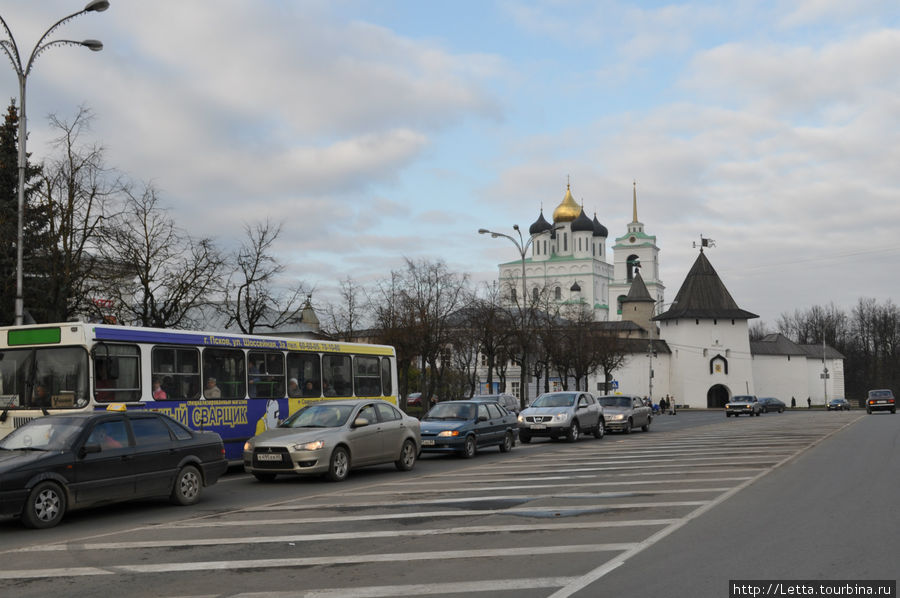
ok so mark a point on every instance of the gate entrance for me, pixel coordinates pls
(717, 396)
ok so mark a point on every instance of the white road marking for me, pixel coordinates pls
(465, 587)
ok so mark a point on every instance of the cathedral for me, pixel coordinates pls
(696, 350)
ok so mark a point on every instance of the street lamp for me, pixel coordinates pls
(12, 52)
(522, 245)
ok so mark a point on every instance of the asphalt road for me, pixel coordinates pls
(678, 511)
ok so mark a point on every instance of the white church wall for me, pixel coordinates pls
(777, 376)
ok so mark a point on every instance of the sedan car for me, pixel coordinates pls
(464, 427)
(331, 437)
(624, 412)
(837, 405)
(57, 463)
(880, 400)
(557, 414)
(771, 404)
(739, 404)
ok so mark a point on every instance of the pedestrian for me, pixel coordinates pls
(672, 403)
(808, 403)
(793, 403)
(664, 404)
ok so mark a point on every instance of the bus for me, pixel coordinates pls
(235, 384)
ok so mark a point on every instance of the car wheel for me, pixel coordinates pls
(45, 506)
(627, 428)
(338, 465)
(407, 456)
(600, 430)
(646, 427)
(574, 432)
(781, 410)
(507, 443)
(188, 484)
(469, 448)
(869, 411)
(727, 414)
(265, 477)
(524, 438)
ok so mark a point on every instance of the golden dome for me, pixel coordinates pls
(568, 210)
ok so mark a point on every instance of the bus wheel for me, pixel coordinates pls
(188, 485)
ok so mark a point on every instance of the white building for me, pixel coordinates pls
(698, 351)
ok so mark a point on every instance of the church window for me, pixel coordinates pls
(557, 293)
(545, 247)
(705, 351)
(534, 294)
(631, 263)
(565, 242)
(512, 294)
(715, 322)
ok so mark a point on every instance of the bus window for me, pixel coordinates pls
(178, 370)
(266, 374)
(336, 376)
(366, 379)
(227, 367)
(386, 376)
(117, 373)
(53, 378)
(306, 369)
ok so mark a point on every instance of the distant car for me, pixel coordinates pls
(771, 404)
(465, 427)
(508, 401)
(57, 463)
(557, 414)
(739, 404)
(837, 405)
(414, 399)
(880, 400)
(332, 437)
(624, 412)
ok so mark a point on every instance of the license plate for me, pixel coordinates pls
(268, 457)
(428, 443)
(538, 427)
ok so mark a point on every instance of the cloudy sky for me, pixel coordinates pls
(385, 129)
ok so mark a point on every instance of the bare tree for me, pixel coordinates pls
(344, 319)
(77, 192)
(251, 296)
(394, 319)
(155, 273)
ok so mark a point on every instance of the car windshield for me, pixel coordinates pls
(449, 410)
(880, 394)
(319, 416)
(742, 399)
(43, 434)
(615, 401)
(555, 400)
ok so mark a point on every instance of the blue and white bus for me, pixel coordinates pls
(234, 384)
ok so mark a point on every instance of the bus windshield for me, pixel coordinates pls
(43, 378)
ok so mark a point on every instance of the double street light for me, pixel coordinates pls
(12, 52)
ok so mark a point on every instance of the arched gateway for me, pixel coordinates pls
(717, 396)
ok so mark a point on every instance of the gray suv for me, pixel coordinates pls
(624, 412)
(562, 414)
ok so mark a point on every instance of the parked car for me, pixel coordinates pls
(837, 405)
(739, 404)
(557, 414)
(509, 402)
(332, 437)
(58, 463)
(880, 400)
(414, 399)
(624, 412)
(771, 404)
(465, 427)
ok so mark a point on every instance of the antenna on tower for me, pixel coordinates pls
(704, 242)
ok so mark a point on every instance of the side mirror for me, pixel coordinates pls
(88, 448)
(360, 422)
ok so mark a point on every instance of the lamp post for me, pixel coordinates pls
(12, 52)
(522, 246)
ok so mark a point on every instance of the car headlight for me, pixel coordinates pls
(618, 417)
(248, 446)
(521, 418)
(562, 416)
(315, 445)
(446, 433)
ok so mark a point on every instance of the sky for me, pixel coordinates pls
(381, 130)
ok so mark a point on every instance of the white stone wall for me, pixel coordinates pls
(778, 377)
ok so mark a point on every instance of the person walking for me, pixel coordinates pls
(808, 403)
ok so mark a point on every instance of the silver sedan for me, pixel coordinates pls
(331, 437)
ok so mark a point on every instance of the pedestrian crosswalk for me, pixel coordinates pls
(549, 519)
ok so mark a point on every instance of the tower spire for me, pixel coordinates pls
(634, 204)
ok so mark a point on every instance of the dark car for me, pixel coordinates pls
(463, 427)
(881, 400)
(837, 405)
(771, 404)
(510, 402)
(57, 463)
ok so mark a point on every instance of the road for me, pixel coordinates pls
(678, 511)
